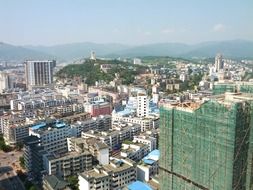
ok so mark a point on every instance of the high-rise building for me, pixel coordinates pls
(4, 81)
(219, 63)
(53, 135)
(33, 157)
(39, 73)
(142, 105)
(93, 55)
(207, 146)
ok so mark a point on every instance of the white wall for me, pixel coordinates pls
(142, 173)
(83, 183)
(103, 156)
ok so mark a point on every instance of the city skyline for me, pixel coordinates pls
(134, 23)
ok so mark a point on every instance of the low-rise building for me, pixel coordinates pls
(52, 182)
(114, 137)
(15, 129)
(146, 123)
(99, 150)
(97, 108)
(95, 179)
(101, 123)
(134, 151)
(113, 176)
(149, 166)
(146, 139)
(68, 164)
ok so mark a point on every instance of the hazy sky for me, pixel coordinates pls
(48, 22)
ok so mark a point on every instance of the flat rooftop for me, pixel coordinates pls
(45, 125)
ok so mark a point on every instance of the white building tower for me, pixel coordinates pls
(4, 81)
(92, 55)
(219, 63)
(142, 105)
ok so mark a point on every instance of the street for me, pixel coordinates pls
(8, 177)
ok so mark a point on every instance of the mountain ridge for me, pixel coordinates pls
(68, 52)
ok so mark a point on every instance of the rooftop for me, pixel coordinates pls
(152, 157)
(94, 173)
(47, 125)
(117, 165)
(67, 155)
(137, 185)
(55, 182)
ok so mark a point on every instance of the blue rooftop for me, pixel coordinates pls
(59, 125)
(125, 112)
(155, 152)
(138, 185)
(35, 127)
(152, 157)
(148, 161)
(56, 124)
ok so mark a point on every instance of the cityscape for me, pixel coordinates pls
(126, 95)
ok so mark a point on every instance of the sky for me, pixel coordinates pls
(133, 22)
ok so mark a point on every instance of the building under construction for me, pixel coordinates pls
(207, 145)
(230, 86)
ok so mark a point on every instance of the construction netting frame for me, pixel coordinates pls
(206, 148)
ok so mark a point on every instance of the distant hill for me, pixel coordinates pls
(79, 50)
(159, 49)
(231, 49)
(68, 52)
(9, 52)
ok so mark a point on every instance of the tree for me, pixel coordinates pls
(33, 188)
(3, 146)
(19, 146)
(22, 162)
(73, 181)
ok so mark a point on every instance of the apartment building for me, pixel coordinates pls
(67, 164)
(14, 128)
(101, 123)
(146, 139)
(134, 151)
(114, 137)
(113, 176)
(53, 135)
(147, 123)
(99, 150)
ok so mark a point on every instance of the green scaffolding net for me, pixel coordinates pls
(206, 148)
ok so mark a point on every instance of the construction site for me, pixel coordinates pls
(207, 145)
(238, 86)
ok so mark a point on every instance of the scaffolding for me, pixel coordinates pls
(207, 147)
(221, 88)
